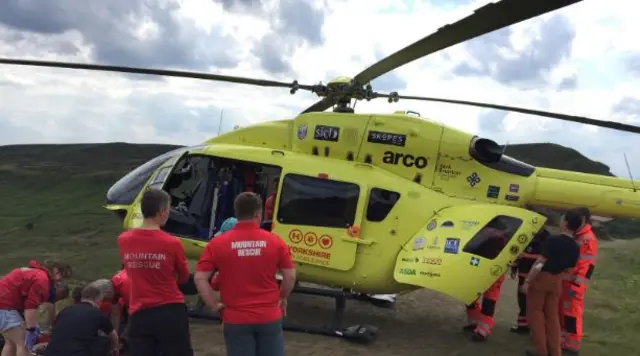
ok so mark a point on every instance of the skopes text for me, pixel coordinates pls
(406, 160)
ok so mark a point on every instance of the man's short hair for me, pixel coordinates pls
(573, 219)
(104, 285)
(584, 212)
(247, 205)
(92, 292)
(153, 202)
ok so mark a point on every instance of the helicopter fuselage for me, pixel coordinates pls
(435, 187)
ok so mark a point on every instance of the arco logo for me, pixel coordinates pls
(406, 160)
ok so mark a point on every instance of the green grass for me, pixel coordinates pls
(52, 199)
(612, 313)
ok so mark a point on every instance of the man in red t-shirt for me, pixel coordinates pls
(120, 299)
(155, 263)
(246, 260)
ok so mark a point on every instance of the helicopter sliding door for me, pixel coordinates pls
(318, 215)
(464, 249)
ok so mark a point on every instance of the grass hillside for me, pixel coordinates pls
(52, 202)
(52, 199)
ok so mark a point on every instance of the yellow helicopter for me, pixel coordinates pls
(372, 203)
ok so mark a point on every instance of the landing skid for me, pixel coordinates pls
(360, 333)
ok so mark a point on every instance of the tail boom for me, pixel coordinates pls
(604, 196)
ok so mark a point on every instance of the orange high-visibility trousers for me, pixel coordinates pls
(480, 313)
(571, 309)
(574, 288)
(542, 300)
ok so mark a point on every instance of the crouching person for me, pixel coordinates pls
(76, 329)
(22, 291)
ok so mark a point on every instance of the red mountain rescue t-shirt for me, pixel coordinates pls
(24, 288)
(122, 288)
(155, 263)
(247, 259)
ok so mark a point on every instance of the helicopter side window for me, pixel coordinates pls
(317, 202)
(127, 188)
(493, 237)
(158, 180)
(381, 201)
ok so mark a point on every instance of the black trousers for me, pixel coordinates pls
(522, 304)
(163, 330)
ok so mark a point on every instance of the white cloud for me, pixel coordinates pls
(56, 105)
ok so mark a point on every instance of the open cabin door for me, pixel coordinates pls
(168, 174)
(157, 181)
(460, 254)
(318, 214)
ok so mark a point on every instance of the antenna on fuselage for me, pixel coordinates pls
(504, 148)
(220, 123)
(633, 184)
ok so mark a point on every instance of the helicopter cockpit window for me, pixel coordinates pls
(381, 201)
(127, 188)
(317, 202)
(493, 237)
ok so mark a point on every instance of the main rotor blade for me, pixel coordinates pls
(572, 118)
(163, 72)
(486, 19)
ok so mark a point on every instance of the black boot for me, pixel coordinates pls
(569, 352)
(519, 329)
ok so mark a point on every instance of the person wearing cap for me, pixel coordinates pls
(227, 225)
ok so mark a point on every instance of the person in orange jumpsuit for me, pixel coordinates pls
(480, 313)
(521, 269)
(575, 284)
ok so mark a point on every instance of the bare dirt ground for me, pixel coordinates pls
(422, 323)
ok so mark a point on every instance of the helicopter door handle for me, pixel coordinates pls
(357, 241)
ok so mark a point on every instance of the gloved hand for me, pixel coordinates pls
(572, 293)
(31, 337)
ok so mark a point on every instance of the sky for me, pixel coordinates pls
(582, 60)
